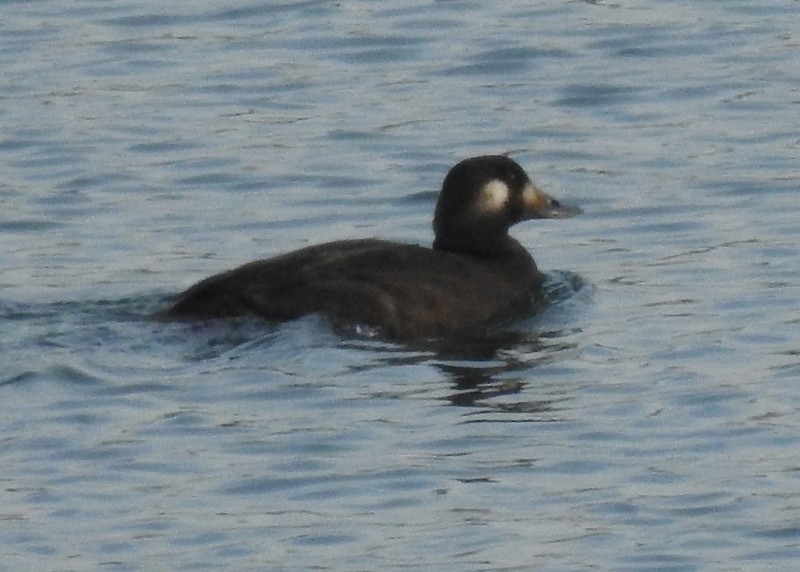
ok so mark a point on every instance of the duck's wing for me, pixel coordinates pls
(258, 287)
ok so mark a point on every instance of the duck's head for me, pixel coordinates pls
(481, 198)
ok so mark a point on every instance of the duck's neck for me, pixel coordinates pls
(500, 246)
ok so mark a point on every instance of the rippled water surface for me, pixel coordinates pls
(647, 419)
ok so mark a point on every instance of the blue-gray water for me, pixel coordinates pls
(648, 420)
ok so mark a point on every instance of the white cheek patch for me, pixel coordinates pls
(494, 196)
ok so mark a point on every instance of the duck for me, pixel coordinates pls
(474, 276)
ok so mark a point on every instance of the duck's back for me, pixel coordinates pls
(406, 291)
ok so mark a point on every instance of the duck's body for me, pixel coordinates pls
(473, 277)
(405, 291)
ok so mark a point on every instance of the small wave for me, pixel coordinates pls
(561, 285)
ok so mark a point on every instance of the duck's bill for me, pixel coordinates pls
(557, 209)
(539, 204)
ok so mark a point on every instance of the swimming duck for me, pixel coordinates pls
(475, 275)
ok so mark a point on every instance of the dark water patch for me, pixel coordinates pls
(780, 533)
(132, 308)
(388, 55)
(499, 61)
(18, 143)
(149, 21)
(597, 95)
(350, 135)
(268, 9)
(325, 539)
(790, 554)
(19, 378)
(659, 562)
(130, 48)
(29, 225)
(165, 146)
(637, 42)
(206, 179)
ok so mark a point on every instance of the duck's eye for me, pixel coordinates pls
(513, 179)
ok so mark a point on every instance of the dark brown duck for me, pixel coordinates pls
(475, 275)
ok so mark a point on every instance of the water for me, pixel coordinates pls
(647, 420)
